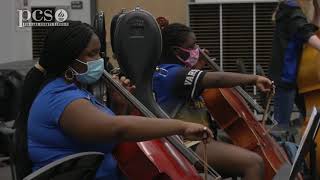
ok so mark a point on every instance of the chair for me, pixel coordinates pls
(74, 167)
(6, 129)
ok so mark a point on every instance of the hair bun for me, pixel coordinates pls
(163, 22)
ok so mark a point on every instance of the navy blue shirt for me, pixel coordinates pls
(48, 142)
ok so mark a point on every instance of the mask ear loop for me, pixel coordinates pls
(179, 58)
(77, 73)
(184, 62)
(70, 73)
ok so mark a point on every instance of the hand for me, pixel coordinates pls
(201, 62)
(264, 84)
(197, 132)
(119, 103)
(206, 51)
(124, 82)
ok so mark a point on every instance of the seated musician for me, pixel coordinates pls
(65, 118)
(178, 84)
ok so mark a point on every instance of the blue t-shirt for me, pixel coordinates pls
(48, 142)
(163, 81)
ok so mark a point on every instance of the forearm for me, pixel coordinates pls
(87, 123)
(314, 41)
(227, 79)
(136, 128)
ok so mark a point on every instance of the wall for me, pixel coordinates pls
(74, 14)
(14, 43)
(234, 1)
(174, 10)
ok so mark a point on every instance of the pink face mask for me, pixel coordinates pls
(193, 56)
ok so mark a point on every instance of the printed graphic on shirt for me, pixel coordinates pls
(191, 80)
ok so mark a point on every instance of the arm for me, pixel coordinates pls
(227, 79)
(190, 83)
(82, 120)
(299, 24)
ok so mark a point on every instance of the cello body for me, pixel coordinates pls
(309, 85)
(233, 115)
(152, 160)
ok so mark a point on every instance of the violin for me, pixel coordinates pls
(233, 115)
(165, 158)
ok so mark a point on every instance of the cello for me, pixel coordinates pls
(165, 158)
(233, 115)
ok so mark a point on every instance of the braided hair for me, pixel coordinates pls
(174, 34)
(61, 46)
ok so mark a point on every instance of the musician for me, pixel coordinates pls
(178, 84)
(294, 26)
(65, 118)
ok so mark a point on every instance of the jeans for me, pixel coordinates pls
(283, 105)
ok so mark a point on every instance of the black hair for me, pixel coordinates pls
(62, 45)
(174, 34)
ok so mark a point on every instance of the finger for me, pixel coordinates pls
(123, 78)
(130, 89)
(210, 133)
(262, 89)
(115, 77)
(207, 135)
(208, 140)
(266, 88)
(127, 81)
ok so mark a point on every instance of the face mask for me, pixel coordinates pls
(193, 56)
(94, 71)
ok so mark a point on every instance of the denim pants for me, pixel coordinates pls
(284, 100)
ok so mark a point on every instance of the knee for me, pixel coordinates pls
(257, 163)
